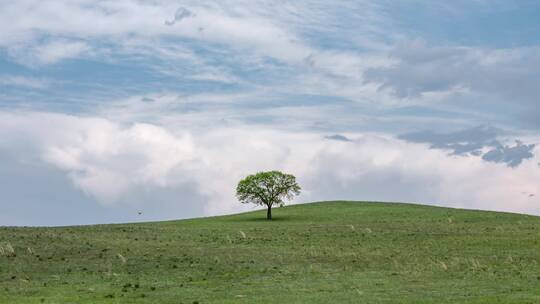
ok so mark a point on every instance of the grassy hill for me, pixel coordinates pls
(331, 252)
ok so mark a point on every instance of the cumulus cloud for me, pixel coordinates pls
(110, 161)
(103, 158)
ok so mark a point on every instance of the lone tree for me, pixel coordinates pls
(267, 189)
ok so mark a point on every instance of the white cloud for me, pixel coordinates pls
(117, 21)
(251, 30)
(31, 54)
(58, 50)
(23, 81)
(110, 161)
(103, 158)
(347, 50)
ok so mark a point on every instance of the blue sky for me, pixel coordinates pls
(109, 109)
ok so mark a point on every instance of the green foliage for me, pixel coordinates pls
(267, 189)
(333, 252)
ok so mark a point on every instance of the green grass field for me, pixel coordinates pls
(331, 252)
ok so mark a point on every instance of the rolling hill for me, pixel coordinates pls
(328, 252)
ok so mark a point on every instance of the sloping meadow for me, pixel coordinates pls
(314, 253)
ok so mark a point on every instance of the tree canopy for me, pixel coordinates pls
(267, 189)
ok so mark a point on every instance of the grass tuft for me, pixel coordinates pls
(122, 258)
(7, 250)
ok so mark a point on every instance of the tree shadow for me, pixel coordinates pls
(280, 218)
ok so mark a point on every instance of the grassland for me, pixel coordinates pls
(332, 252)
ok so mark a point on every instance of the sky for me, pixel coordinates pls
(132, 110)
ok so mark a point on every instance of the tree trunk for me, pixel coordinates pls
(269, 212)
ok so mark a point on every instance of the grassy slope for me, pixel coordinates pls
(316, 253)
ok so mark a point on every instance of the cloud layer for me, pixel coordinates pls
(111, 161)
